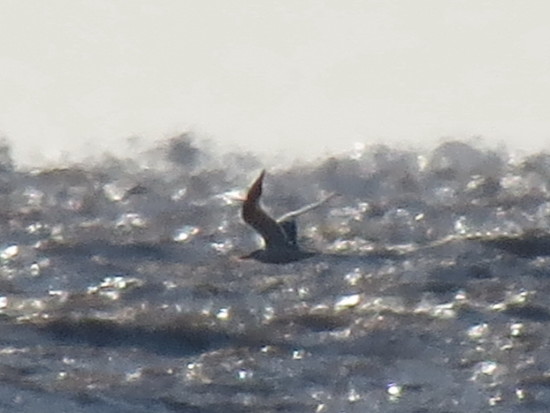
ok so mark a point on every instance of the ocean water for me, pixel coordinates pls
(122, 290)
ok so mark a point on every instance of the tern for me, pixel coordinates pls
(279, 235)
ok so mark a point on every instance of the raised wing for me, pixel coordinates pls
(270, 230)
(290, 216)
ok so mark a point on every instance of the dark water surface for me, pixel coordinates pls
(121, 289)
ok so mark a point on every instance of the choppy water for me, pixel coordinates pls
(121, 289)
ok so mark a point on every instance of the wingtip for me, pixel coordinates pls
(256, 188)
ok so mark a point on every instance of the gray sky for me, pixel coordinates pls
(318, 75)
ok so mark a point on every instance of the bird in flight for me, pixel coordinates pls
(279, 235)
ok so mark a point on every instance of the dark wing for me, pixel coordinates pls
(288, 220)
(272, 233)
(289, 227)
